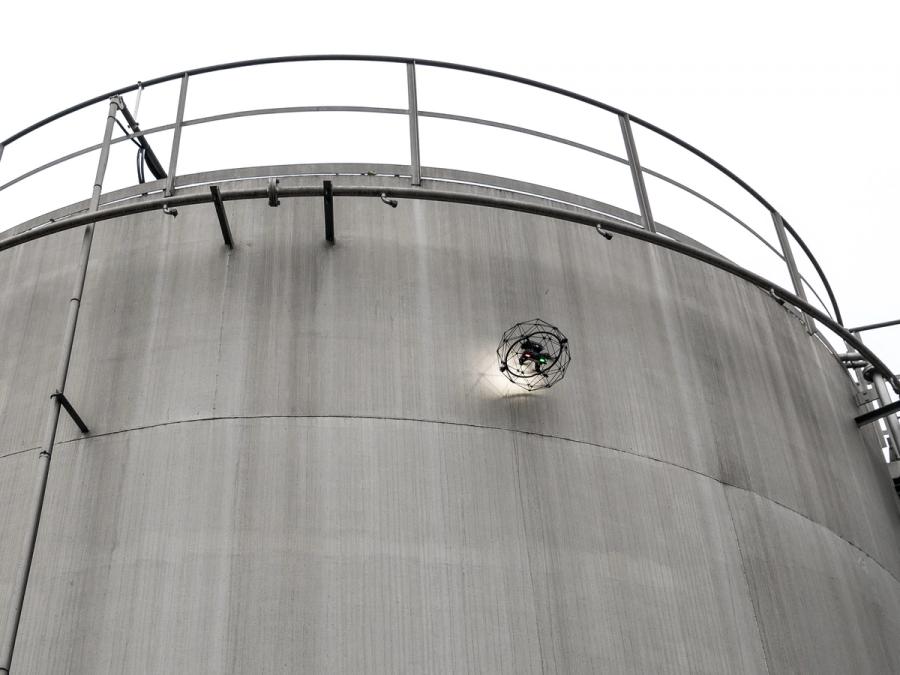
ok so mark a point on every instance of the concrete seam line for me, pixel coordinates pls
(524, 523)
(737, 540)
(630, 453)
(19, 452)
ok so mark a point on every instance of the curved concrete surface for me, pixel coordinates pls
(302, 457)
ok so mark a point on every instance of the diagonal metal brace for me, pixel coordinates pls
(223, 217)
(64, 402)
(877, 414)
(328, 194)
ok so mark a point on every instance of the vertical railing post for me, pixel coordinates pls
(893, 425)
(637, 174)
(24, 568)
(881, 393)
(414, 160)
(176, 138)
(793, 271)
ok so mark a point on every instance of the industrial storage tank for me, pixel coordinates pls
(301, 454)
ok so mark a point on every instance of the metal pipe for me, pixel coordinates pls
(893, 425)
(589, 219)
(873, 326)
(414, 159)
(22, 572)
(176, 139)
(137, 99)
(637, 174)
(788, 256)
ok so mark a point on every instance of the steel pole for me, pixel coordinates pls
(21, 580)
(415, 162)
(176, 137)
(793, 271)
(637, 174)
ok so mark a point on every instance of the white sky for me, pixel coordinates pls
(799, 99)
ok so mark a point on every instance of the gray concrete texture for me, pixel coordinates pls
(303, 457)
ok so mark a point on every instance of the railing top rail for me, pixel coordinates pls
(397, 59)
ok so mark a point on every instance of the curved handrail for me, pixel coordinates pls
(591, 220)
(449, 66)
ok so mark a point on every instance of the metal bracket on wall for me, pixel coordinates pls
(867, 396)
(272, 192)
(328, 196)
(877, 414)
(223, 217)
(64, 402)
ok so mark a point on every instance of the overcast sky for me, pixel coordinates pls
(799, 99)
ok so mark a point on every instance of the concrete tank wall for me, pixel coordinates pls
(303, 457)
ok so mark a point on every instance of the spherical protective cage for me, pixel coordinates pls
(533, 354)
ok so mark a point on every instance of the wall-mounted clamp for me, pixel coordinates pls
(387, 200)
(169, 211)
(273, 192)
(603, 233)
(64, 402)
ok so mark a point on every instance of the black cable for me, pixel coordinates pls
(127, 133)
(140, 152)
(140, 164)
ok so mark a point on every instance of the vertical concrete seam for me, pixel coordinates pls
(221, 330)
(750, 593)
(519, 490)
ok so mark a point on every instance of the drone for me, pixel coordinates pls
(534, 354)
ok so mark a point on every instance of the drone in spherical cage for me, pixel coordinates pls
(534, 355)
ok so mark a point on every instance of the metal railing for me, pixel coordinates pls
(783, 229)
(785, 233)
